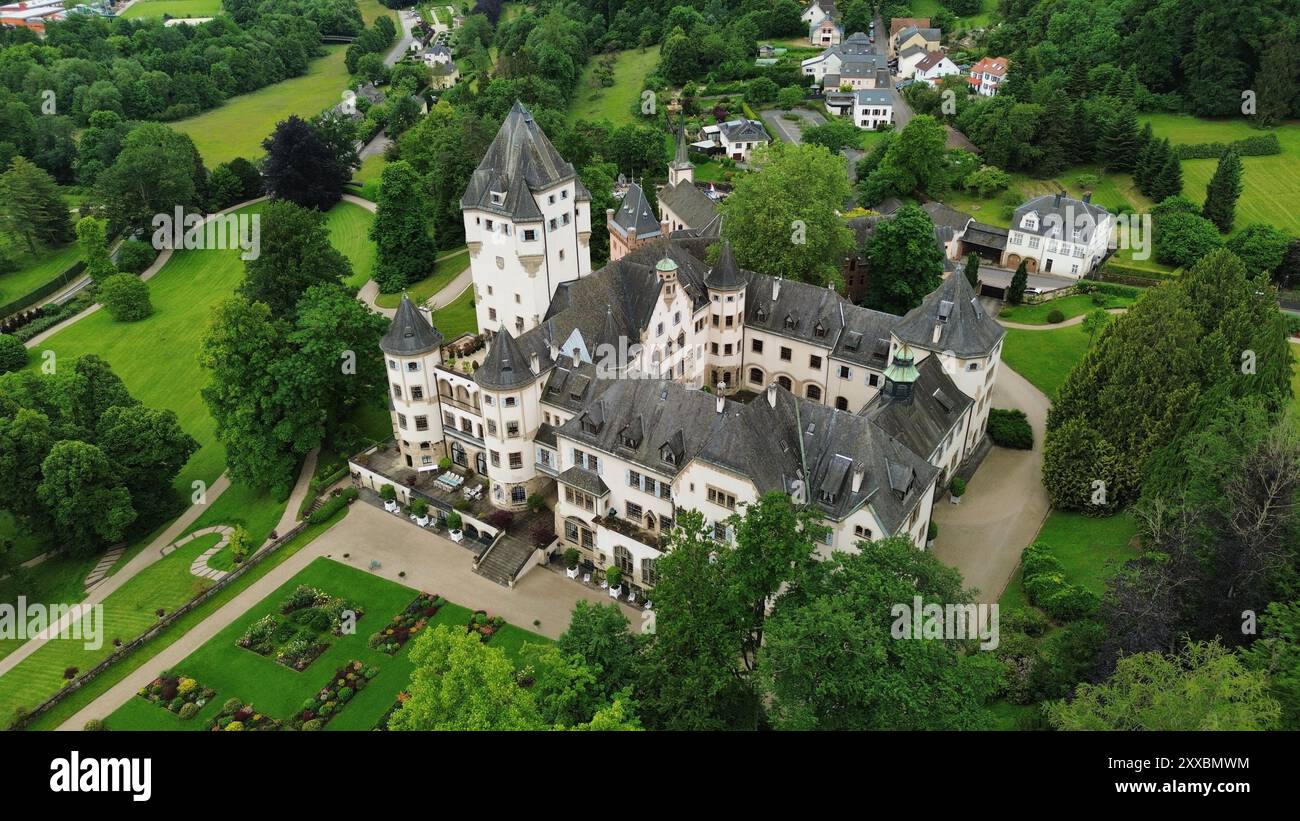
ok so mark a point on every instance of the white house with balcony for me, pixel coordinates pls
(1056, 234)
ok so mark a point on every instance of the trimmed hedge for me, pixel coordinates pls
(1043, 577)
(1260, 145)
(332, 505)
(1010, 429)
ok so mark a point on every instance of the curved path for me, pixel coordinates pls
(148, 273)
(199, 567)
(1074, 320)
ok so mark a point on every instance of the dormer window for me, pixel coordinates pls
(667, 455)
(761, 315)
(789, 322)
(819, 330)
(1030, 221)
(827, 498)
(498, 197)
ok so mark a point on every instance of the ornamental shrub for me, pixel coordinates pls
(1009, 428)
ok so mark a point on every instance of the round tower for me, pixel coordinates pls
(725, 347)
(412, 350)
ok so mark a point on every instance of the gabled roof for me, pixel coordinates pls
(743, 130)
(964, 327)
(410, 333)
(505, 366)
(634, 213)
(937, 404)
(1058, 213)
(691, 205)
(931, 60)
(930, 35)
(996, 66)
(519, 161)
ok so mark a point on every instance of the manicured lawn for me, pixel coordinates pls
(35, 270)
(175, 8)
(595, 102)
(457, 318)
(372, 9)
(444, 271)
(237, 128)
(1270, 185)
(1070, 306)
(349, 227)
(157, 357)
(279, 691)
(102, 683)
(1295, 382)
(1091, 549)
(372, 168)
(1044, 357)
(128, 612)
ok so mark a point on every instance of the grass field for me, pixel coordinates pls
(157, 357)
(1270, 185)
(1089, 548)
(372, 9)
(349, 227)
(445, 270)
(1295, 382)
(1045, 357)
(174, 8)
(926, 8)
(372, 168)
(1070, 306)
(237, 128)
(457, 318)
(279, 691)
(594, 102)
(102, 683)
(36, 270)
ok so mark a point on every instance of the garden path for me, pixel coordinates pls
(1074, 320)
(371, 536)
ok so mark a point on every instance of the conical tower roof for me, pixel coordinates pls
(505, 366)
(410, 334)
(726, 274)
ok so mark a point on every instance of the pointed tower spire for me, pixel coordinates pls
(681, 170)
(505, 365)
(726, 274)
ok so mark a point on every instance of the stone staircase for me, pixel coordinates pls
(504, 559)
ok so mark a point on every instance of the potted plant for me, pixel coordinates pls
(615, 578)
(444, 463)
(453, 526)
(931, 534)
(420, 509)
(571, 557)
(957, 487)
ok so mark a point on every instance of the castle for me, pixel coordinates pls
(661, 383)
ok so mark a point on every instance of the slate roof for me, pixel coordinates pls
(914, 49)
(990, 236)
(506, 365)
(874, 96)
(923, 422)
(635, 213)
(967, 330)
(743, 130)
(931, 60)
(725, 275)
(680, 156)
(410, 333)
(1067, 212)
(930, 34)
(778, 446)
(519, 161)
(584, 480)
(691, 205)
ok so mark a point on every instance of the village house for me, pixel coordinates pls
(873, 108)
(1055, 234)
(933, 67)
(862, 415)
(825, 32)
(817, 10)
(734, 139)
(682, 206)
(987, 75)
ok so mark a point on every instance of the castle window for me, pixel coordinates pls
(516, 460)
(530, 235)
(814, 393)
(756, 346)
(417, 392)
(421, 423)
(412, 366)
(518, 494)
(786, 354)
(755, 376)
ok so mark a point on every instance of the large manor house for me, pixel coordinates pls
(662, 383)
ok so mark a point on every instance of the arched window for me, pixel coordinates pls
(814, 393)
(756, 376)
(623, 558)
(783, 381)
(649, 520)
(842, 403)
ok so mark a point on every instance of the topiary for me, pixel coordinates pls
(1054, 316)
(614, 576)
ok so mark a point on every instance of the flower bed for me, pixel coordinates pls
(236, 715)
(486, 626)
(177, 694)
(406, 624)
(382, 724)
(346, 682)
(301, 633)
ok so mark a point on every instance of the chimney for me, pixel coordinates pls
(576, 360)
(938, 329)
(722, 400)
(1057, 200)
(859, 470)
(776, 288)
(536, 363)
(771, 393)
(555, 352)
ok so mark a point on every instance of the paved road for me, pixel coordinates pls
(430, 562)
(406, 19)
(1005, 503)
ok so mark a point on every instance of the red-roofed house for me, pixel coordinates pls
(987, 75)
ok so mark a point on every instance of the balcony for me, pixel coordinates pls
(632, 530)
